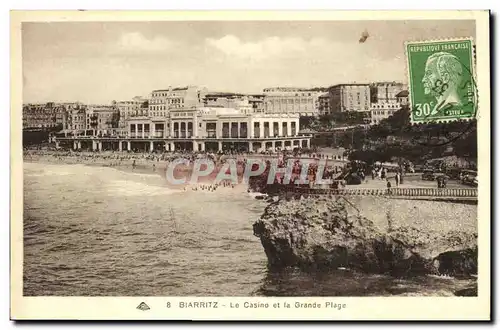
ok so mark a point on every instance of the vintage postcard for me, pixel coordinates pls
(312, 165)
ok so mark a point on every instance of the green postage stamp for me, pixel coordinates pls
(441, 80)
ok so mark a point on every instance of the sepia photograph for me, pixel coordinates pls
(252, 158)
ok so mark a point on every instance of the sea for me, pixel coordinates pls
(100, 231)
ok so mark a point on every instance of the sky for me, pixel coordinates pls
(97, 62)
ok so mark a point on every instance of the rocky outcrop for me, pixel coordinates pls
(468, 292)
(322, 233)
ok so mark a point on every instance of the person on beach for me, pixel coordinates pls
(388, 186)
(396, 178)
(384, 173)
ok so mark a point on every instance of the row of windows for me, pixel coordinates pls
(385, 106)
(31, 124)
(39, 117)
(350, 97)
(352, 102)
(281, 110)
(158, 114)
(290, 100)
(225, 123)
(272, 90)
(168, 101)
(181, 114)
(41, 122)
(384, 112)
(288, 105)
(164, 94)
(164, 107)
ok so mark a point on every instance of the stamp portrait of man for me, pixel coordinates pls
(443, 75)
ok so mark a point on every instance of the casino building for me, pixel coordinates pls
(202, 129)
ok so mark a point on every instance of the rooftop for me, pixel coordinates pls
(350, 84)
(402, 94)
(184, 88)
(223, 94)
(217, 111)
(379, 83)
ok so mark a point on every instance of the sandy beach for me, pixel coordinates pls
(143, 164)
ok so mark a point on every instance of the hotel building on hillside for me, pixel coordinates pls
(137, 106)
(389, 97)
(162, 100)
(385, 92)
(380, 111)
(291, 100)
(43, 116)
(101, 119)
(402, 97)
(75, 119)
(229, 100)
(257, 102)
(349, 97)
(324, 104)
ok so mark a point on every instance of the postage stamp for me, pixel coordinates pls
(441, 80)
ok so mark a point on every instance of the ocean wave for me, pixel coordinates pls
(141, 175)
(48, 173)
(39, 170)
(132, 188)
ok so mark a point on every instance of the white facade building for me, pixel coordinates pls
(381, 111)
(195, 128)
(286, 100)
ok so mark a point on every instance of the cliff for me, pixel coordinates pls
(322, 232)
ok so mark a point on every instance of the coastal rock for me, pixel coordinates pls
(468, 292)
(320, 232)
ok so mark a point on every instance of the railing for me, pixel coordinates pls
(407, 192)
(183, 135)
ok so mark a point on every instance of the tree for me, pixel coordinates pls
(307, 122)
(418, 142)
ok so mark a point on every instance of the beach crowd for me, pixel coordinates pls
(336, 168)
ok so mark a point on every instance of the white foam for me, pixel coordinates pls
(132, 188)
(48, 170)
(442, 277)
(141, 175)
(255, 194)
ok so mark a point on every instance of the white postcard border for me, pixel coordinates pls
(362, 308)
